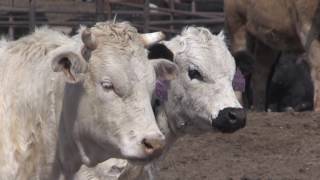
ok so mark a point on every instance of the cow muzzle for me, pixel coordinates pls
(152, 147)
(230, 120)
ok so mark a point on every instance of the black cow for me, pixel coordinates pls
(290, 87)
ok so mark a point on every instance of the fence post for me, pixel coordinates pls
(146, 11)
(11, 28)
(11, 20)
(109, 10)
(32, 15)
(100, 10)
(171, 5)
(193, 6)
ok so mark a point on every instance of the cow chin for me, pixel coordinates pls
(144, 148)
(139, 156)
(196, 130)
(196, 125)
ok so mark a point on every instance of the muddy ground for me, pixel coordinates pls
(273, 146)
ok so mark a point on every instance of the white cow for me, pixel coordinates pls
(201, 99)
(99, 107)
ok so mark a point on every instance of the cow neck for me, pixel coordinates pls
(68, 153)
(75, 146)
(169, 126)
(162, 120)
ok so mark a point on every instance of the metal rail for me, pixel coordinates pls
(12, 16)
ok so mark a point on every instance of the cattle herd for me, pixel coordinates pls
(109, 102)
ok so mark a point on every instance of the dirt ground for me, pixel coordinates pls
(273, 146)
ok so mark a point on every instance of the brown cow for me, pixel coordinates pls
(265, 27)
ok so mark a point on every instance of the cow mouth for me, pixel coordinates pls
(230, 128)
(144, 159)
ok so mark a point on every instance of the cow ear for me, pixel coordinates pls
(160, 51)
(165, 70)
(70, 62)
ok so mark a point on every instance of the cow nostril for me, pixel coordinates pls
(232, 117)
(153, 146)
(147, 144)
(230, 120)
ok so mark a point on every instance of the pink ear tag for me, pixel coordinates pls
(162, 89)
(239, 82)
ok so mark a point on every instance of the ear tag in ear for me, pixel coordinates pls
(69, 74)
(67, 69)
(162, 87)
(239, 82)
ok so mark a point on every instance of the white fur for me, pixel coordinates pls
(191, 104)
(50, 127)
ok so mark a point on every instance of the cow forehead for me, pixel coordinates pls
(209, 53)
(112, 64)
(122, 34)
(120, 45)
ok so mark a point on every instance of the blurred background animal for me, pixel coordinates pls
(290, 87)
(257, 35)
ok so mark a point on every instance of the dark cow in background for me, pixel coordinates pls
(260, 29)
(290, 87)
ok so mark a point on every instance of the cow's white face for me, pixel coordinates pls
(202, 95)
(120, 88)
(114, 112)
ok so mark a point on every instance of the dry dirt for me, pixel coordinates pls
(273, 146)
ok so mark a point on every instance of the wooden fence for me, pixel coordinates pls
(146, 18)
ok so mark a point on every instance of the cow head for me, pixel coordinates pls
(116, 81)
(202, 95)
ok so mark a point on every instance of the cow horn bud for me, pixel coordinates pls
(150, 39)
(88, 39)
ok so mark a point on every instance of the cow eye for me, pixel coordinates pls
(106, 85)
(195, 74)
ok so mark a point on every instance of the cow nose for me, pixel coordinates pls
(153, 146)
(230, 120)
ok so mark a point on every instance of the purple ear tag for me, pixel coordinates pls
(162, 89)
(239, 82)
